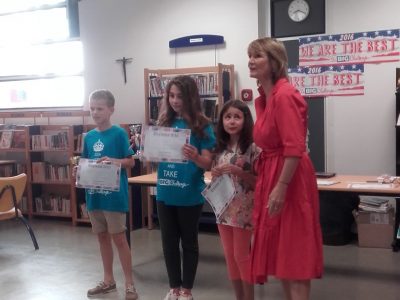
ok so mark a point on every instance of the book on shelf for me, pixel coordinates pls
(209, 108)
(38, 204)
(6, 171)
(225, 86)
(6, 139)
(45, 171)
(50, 139)
(53, 203)
(135, 133)
(79, 142)
(18, 140)
(23, 205)
(154, 109)
(38, 171)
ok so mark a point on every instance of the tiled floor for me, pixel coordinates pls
(68, 263)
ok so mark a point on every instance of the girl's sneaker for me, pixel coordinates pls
(185, 296)
(173, 294)
(130, 293)
(102, 288)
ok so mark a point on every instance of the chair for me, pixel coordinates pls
(11, 190)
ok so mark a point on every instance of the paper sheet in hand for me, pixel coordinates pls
(98, 176)
(220, 193)
(164, 144)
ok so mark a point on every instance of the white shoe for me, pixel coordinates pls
(171, 296)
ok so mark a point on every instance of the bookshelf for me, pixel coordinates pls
(43, 152)
(215, 84)
(16, 150)
(51, 186)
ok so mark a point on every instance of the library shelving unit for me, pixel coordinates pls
(79, 213)
(43, 152)
(14, 147)
(215, 84)
(51, 184)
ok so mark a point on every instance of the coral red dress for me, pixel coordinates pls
(288, 245)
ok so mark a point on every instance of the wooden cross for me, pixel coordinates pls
(124, 61)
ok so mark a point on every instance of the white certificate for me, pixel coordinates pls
(220, 193)
(164, 144)
(98, 176)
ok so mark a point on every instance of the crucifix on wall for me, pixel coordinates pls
(124, 60)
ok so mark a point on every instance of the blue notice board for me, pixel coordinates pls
(196, 40)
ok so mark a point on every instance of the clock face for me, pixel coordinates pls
(298, 10)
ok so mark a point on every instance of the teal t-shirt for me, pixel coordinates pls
(113, 143)
(181, 184)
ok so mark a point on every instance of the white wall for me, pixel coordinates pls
(361, 129)
(141, 29)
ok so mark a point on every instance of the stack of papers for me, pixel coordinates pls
(377, 186)
(326, 182)
(374, 204)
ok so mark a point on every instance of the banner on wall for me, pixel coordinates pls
(350, 48)
(321, 81)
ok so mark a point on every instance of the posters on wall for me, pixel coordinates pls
(350, 48)
(332, 65)
(317, 81)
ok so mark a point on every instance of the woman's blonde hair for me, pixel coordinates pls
(276, 53)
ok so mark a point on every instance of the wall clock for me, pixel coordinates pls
(298, 10)
(297, 17)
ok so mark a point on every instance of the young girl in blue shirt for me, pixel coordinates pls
(179, 185)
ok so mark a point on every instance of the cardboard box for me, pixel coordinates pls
(375, 230)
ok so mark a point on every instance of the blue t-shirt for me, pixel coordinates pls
(181, 184)
(112, 142)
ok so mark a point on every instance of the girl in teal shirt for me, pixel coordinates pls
(179, 186)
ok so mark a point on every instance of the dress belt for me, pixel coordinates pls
(270, 153)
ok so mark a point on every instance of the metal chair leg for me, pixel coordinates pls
(29, 228)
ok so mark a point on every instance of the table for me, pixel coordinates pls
(345, 180)
(345, 184)
(362, 185)
(151, 180)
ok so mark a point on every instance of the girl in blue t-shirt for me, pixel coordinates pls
(179, 186)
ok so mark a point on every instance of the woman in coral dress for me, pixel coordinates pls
(287, 238)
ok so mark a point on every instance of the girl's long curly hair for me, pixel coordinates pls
(191, 107)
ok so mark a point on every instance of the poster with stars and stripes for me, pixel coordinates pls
(321, 81)
(350, 48)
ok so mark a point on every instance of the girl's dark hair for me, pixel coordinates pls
(246, 135)
(191, 106)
